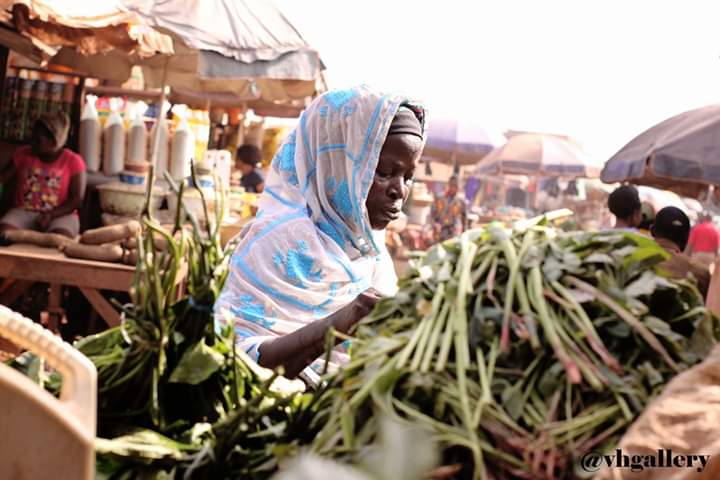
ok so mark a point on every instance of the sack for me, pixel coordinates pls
(685, 418)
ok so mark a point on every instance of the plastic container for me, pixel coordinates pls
(183, 148)
(161, 159)
(90, 135)
(44, 437)
(113, 145)
(137, 141)
(222, 162)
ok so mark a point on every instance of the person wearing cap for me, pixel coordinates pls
(671, 230)
(248, 157)
(624, 203)
(449, 212)
(50, 181)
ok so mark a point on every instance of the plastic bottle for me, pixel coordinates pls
(90, 135)
(114, 145)
(161, 160)
(183, 148)
(137, 140)
(223, 167)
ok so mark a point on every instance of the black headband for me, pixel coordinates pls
(406, 121)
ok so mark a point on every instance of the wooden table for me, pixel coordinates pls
(23, 265)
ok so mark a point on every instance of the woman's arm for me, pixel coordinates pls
(8, 173)
(299, 349)
(76, 194)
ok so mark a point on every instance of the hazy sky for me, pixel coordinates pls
(601, 71)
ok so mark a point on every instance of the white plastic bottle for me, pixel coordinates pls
(161, 160)
(137, 140)
(223, 167)
(90, 133)
(182, 151)
(114, 145)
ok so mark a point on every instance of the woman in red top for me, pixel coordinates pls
(50, 181)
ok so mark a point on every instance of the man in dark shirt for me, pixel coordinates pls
(624, 203)
(247, 159)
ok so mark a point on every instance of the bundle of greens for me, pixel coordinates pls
(175, 398)
(521, 350)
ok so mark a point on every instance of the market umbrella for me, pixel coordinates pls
(660, 199)
(459, 142)
(681, 154)
(539, 155)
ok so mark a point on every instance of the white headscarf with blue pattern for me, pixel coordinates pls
(311, 250)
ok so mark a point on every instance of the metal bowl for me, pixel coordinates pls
(127, 200)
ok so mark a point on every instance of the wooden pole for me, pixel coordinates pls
(4, 53)
(156, 143)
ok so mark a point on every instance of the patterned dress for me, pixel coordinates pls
(448, 215)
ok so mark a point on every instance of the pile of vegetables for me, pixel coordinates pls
(175, 398)
(520, 350)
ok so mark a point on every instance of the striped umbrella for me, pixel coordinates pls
(461, 143)
(540, 155)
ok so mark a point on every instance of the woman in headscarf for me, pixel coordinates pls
(314, 258)
(49, 180)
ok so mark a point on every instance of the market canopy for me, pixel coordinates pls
(539, 155)
(243, 47)
(40, 28)
(245, 50)
(681, 154)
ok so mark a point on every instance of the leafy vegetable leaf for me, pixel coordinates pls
(196, 365)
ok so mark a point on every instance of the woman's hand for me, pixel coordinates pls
(345, 319)
(44, 220)
(298, 349)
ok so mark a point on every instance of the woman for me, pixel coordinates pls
(314, 258)
(50, 181)
(449, 212)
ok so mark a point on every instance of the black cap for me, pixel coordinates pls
(672, 224)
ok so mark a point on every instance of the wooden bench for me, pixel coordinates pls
(23, 265)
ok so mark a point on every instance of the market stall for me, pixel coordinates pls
(123, 123)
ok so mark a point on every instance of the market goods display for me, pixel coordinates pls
(111, 233)
(100, 253)
(521, 350)
(32, 237)
(91, 136)
(518, 350)
(114, 140)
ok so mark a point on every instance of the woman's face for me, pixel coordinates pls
(393, 177)
(42, 142)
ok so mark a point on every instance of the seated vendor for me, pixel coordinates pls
(248, 157)
(671, 230)
(49, 180)
(315, 256)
